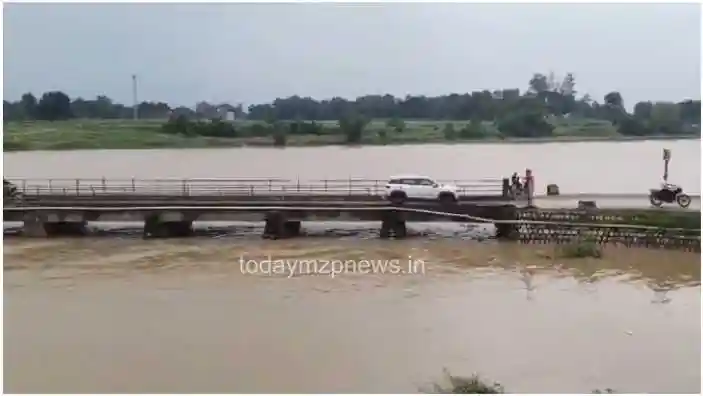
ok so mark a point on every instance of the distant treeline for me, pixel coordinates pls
(514, 113)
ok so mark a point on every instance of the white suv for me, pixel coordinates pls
(400, 188)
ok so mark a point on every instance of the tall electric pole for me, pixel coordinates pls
(135, 113)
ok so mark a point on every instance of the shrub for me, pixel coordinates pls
(473, 130)
(279, 137)
(449, 131)
(472, 384)
(581, 249)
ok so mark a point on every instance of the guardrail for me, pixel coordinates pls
(223, 187)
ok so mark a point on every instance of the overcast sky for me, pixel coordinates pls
(253, 53)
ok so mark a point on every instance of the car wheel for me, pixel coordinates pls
(447, 198)
(397, 197)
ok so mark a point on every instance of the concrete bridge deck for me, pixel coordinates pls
(614, 201)
(170, 209)
(216, 192)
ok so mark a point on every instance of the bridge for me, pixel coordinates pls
(193, 192)
(169, 207)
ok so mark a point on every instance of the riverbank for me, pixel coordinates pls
(125, 134)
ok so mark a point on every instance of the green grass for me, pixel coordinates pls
(128, 134)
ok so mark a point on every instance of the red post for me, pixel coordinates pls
(530, 184)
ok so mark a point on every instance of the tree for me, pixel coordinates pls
(642, 111)
(538, 83)
(525, 124)
(352, 127)
(516, 113)
(54, 106)
(568, 85)
(396, 123)
(665, 118)
(614, 110)
(449, 131)
(279, 136)
(614, 99)
(473, 130)
(29, 106)
(630, 126)
(691, 111)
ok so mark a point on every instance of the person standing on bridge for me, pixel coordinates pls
(515, 182)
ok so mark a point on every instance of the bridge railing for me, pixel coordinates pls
(223, 187)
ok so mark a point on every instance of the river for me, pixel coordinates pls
(121, 314)
(591, 167)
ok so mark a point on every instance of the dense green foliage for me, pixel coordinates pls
(548, 108)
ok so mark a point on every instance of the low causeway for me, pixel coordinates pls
(168, 208)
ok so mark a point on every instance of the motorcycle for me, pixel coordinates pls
(669, 193)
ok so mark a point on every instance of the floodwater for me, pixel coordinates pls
(119, 314)
(593, 167)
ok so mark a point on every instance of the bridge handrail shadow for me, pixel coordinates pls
(219, 187)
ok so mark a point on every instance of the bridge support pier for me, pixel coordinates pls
(507, 231)
(292, 228)
(393, 224)
(277, 226)
(158, 226)
(46, 226)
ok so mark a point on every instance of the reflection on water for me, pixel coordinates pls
(126, 315)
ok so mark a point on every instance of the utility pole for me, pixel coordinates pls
(135, 113)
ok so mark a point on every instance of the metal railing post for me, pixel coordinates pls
(78, 189)
(134, 187)
(104, 184)
(506, 188)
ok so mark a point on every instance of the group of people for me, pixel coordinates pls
(515, 183)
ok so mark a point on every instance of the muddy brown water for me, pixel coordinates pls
(127, 315)
(115, 313)
(593, 167)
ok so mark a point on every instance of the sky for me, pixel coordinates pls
(253, 53)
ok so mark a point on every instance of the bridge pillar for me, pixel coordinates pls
(36, 225)
(393, 224)
(277, 226)
(507, 230)
(34, 228)
(292, 228)
(165, 226)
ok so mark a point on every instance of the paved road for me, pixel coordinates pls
(606, 201)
